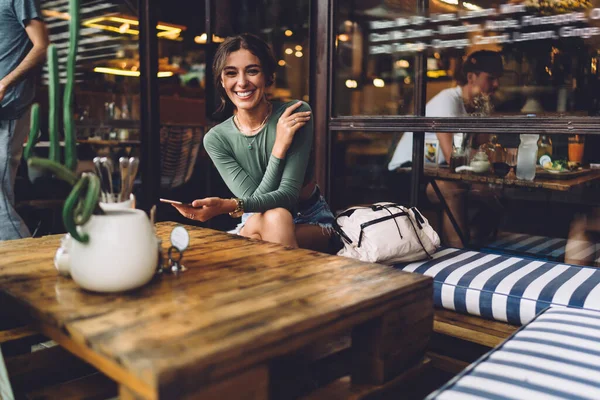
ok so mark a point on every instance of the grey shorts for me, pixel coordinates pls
(316, 212)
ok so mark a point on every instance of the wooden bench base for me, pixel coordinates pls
(471, 329)
(459, 339)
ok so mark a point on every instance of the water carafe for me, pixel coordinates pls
(527, 157)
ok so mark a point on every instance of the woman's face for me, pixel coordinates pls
(243, 80)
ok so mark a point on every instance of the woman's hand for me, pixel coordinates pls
(287, 126)
(204, 209)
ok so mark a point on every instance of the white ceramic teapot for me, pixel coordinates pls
(122, 252)
(479, 164)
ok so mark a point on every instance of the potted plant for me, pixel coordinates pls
(111, 250)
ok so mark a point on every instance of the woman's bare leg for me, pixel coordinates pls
(276, 226)
(313, 237)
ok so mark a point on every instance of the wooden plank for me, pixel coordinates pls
(294, 376)
(17, 333)
(345, 389)
(252, 384)
(446, 363)
(108, 366)
(44, 367)
(92, 387)
(471, 328)
(384, 346)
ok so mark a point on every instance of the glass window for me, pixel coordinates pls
(373, 72)
(359, 170)
(550, 52)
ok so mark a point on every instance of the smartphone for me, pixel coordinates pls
(170, 201)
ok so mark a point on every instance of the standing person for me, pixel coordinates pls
(23, 43)
(477, 81)
(263, 153)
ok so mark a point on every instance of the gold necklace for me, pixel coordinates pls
(237, 123)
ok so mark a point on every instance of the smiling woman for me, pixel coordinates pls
(263, 153)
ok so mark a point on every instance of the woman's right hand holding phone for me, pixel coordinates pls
(287, 126)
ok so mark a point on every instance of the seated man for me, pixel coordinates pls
(477, 81)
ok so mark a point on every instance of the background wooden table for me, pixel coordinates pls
(562, 185)
(220, 329)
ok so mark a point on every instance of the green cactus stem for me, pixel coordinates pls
(57, 169)
(34, 130)
(53, 85)
(70, 140)
(70, 206)
(89, 204)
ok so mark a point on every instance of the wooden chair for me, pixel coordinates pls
(179, 151)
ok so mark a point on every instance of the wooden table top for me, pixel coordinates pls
(562, 185)
(239, 303)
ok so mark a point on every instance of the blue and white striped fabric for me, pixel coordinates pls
(556, 356)
(505, 288)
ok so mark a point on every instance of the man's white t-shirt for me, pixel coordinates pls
(447, 103)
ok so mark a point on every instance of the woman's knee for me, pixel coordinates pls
(277, 218)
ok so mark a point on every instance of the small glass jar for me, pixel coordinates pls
(494, 150)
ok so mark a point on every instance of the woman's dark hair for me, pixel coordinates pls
(254, 45)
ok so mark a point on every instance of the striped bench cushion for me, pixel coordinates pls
(556, 356)
(506, 288)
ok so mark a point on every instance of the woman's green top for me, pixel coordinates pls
(251, 172)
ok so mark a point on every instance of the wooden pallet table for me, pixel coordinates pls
(238, 323)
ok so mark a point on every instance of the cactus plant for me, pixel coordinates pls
(82, 202)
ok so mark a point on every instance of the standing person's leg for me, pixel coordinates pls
(19, 137)
(12, 135)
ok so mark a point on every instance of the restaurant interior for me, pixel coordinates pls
(368, 68)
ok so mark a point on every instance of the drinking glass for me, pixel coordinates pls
(511, 158)
(576, 146)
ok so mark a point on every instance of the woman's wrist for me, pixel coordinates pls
(229, 205)
(279, 150)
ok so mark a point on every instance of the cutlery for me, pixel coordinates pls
(134, 163)
(98, 166)
(124, 168)
(108, 167)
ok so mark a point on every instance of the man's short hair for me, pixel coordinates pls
(482, 61)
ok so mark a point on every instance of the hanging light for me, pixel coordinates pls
(378, 82)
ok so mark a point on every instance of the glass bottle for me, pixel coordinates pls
(544, 149)
(526, 157)
(459, 151)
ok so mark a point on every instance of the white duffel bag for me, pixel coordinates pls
(385, 233)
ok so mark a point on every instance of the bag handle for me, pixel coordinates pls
(349, 211)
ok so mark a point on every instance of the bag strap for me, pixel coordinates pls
(417, 233)
(375, 207)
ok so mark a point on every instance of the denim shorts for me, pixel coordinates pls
(316, 214)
